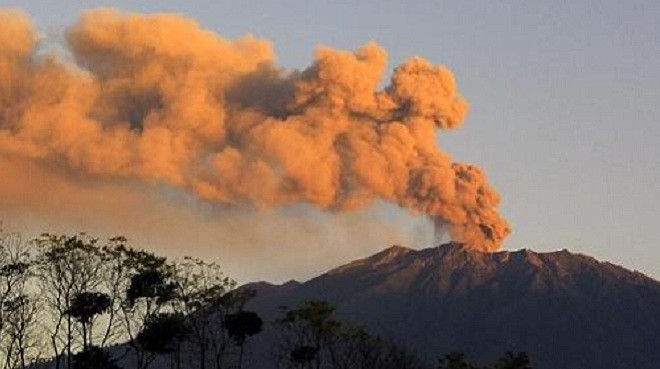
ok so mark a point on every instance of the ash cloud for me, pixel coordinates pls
(157, 99)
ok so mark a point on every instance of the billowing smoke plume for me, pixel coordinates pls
(157, 98)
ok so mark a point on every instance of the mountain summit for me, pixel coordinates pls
(566, 310)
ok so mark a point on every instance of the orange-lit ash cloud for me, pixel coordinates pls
(158, 99)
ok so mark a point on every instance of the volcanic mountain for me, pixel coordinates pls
(565, 310)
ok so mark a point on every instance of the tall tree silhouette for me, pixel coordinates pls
(149, 290)
(68, 266)
(309, 331)
(240, 326)
(19, 305)
(202, 290)
(84, 308)
(163, 334)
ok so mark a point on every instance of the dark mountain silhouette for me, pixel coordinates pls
(566, 310)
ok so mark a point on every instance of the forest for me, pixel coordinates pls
(75, 301)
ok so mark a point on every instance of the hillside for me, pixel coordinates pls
(566, 310)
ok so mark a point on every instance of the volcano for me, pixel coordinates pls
(565, 310)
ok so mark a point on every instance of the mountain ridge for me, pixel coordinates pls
(561, 307)
(561, 263)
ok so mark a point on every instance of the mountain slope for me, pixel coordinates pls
(566, 310)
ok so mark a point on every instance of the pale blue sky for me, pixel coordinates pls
(565, 98)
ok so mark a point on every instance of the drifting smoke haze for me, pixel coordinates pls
(156, 101)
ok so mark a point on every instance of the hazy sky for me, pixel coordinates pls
(565, 99)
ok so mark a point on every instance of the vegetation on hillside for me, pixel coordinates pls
(77, 302)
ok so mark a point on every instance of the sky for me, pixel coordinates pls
(563, 113)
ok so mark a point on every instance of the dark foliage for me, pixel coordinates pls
(93, 358)
(163, 333)
(86, 305)
(513, 361)
(13, 269)
(457, 360)
(242, 325)
(303, 354)
(311, 337)
(150, 284)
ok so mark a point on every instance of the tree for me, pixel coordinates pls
(68, 266)
(241, 326)
(84, 308)
(311, 337)
(87, 295)
(93, 357)
(163, 334)
(152, 286)
(455, 360)
(23, 321)
(116, 257)
(202, 296)
(150, 289)
(356, 348)
(308, 330)
(19, 307)
(303, 355)
(513, 361)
